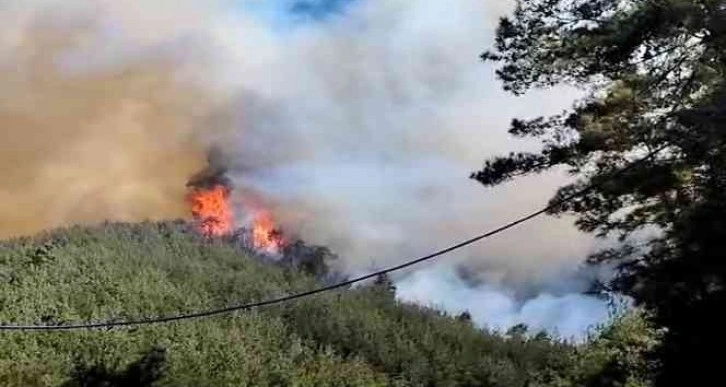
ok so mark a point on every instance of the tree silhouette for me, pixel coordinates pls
(655, 70)
(145, 372)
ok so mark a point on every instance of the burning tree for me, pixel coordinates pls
(211, 207)
(211, 210)
(254, 229)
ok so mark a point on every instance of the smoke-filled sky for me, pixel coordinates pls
(358, 122)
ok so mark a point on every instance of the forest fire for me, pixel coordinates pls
(265, 236)
(211, 210)
(210, 198)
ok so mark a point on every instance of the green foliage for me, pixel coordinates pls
(146, 372)
(126, 271)
(358, 337)
(617, 356)
(656, 72)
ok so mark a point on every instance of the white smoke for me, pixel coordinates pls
(363, 129)
(366, 127)
(568, 316)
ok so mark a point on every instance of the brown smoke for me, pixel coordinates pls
(86, 145)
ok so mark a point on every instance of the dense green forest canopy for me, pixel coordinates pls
(654, 72)
(357, 337)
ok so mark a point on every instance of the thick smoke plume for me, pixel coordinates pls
(357, 132)
(83, 140)
(362, 130)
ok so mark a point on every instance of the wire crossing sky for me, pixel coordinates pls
(343, 284)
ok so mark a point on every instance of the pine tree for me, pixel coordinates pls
(654, 71)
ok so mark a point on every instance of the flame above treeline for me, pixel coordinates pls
(211, 210)
(210, 201)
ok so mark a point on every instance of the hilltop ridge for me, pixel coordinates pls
(360, 336)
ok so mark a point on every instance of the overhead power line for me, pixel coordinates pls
(242, 307)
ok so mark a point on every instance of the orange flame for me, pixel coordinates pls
(264, 234)
(211, 209)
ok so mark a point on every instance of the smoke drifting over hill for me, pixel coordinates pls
(359, 132)
(362, 131)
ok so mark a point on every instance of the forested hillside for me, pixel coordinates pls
(360, 336)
